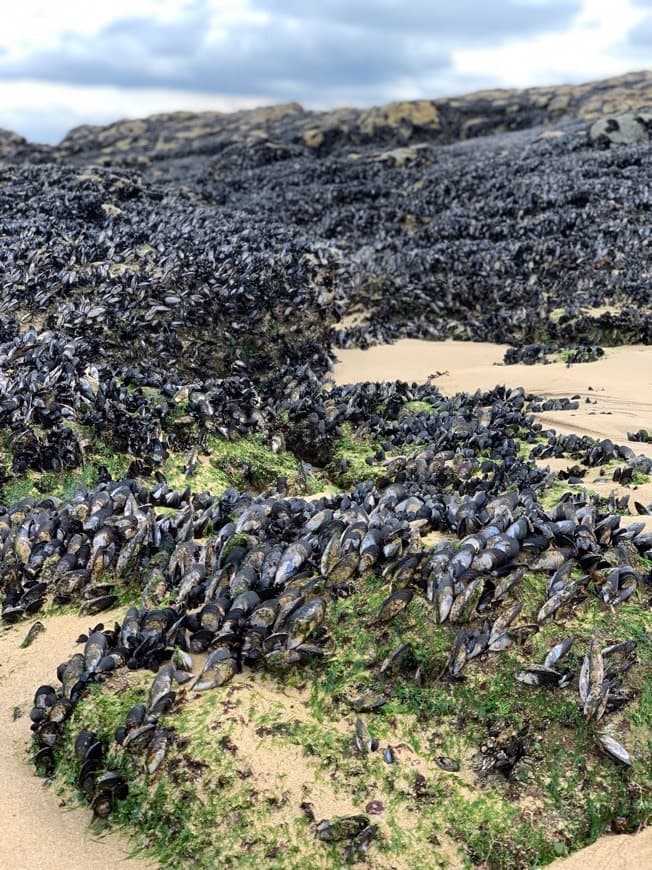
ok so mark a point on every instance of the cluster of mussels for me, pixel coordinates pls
(255, 591)
(57, 394)
(88, 547)
(530, 354)
(174, 295)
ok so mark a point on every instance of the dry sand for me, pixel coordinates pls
(37, 833)
(625, 852)
(620, 383)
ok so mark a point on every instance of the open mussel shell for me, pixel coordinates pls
(274, 641)
(78, 690)
(88, 777)
(539, 676)
(114, 783)
(138, 739)
(44, 761)
(84, 741)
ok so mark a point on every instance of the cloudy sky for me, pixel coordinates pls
(73, 62)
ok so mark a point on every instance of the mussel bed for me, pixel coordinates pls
(345, 623)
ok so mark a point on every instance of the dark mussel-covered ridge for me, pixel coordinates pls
(175, 291)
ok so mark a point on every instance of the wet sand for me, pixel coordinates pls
(618, 386)
(39, 831)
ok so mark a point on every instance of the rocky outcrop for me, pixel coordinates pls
(441, 121)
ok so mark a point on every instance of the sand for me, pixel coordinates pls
(39, 830)
(624, 852)
(620, 384)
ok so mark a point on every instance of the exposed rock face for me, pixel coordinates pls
(623, 129)
(16, 149)
(442, 121)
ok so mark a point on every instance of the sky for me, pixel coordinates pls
(78, 62)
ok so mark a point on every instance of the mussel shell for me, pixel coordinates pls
(138, 739)
(13, 614)
(448, 764)
(94, 751)
(45, 696)
(44, 760)
(135, 717)
(369, 701)
(85, 739)
(388, 756)
(539, 676)
(113, 782)
(110, 662)
(163, 704)
(211, 617)
(37, 714)
(274, 641)
(87, 777)
(102, 804)
(61, 710)
(49, 734)
(97, 605)
(156, 751)
(341, 828)
(201, 640)
(32, 606)
(614, 749)
(77, 690)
